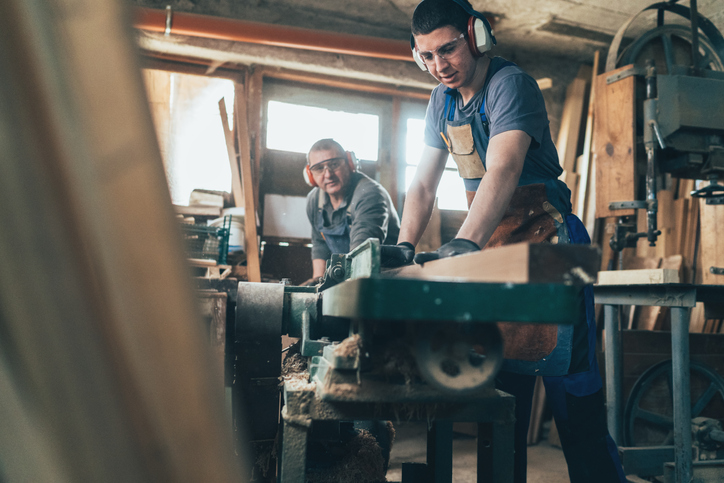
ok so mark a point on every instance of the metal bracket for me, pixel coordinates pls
(625, 73)
(715, 200)
(716, 270)
(625, 205)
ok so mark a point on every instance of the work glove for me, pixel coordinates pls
(457, 246)
(392, 256)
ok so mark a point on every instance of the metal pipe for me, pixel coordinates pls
(614, 372)
(694, 37)
(682, 392)
(218, 28)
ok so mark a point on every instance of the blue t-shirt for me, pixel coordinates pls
(513, 102)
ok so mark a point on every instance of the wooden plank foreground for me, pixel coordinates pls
(518, 263)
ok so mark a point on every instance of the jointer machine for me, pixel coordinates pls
(381, 347)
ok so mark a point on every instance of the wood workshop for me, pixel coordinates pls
(334, 241)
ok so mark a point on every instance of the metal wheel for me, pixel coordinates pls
(459, 358)
(649, 413)
(670, 45)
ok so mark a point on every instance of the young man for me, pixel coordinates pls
(491, 117)
(346, 207)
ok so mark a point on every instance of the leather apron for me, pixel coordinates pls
(530, 217)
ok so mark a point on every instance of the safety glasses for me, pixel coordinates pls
(445, 51)
(331, 164)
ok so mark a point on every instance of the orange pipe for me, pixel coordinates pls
(267, 34)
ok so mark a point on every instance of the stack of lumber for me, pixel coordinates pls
(684, 252)
(574, 143)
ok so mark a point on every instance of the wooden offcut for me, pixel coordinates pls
(233, 158)
(614, 143)
(518, 263)
(638, 277)
(251, 245)
(712, 249)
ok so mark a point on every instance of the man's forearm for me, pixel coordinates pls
(491, 201)
(416, 214)
(505, 156)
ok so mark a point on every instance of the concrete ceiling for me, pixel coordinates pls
(537, 31)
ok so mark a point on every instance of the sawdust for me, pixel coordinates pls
(294, 362)
(362, 462)
(349, 347)
(265, 452)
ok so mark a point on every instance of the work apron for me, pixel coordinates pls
(538, 349)
(336, 236)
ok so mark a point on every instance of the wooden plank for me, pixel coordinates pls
(588, 177)
(251, 246)
(571, 119)
(710, 245)
(638, 277)
(254, 83)
(692, 234)
(518, 263)
(651, 317)
(109, 366)
(236, 189)
(696, 319)
(681, 212)
(614, 143)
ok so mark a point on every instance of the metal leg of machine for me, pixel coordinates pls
(614, 372)
(682, 392)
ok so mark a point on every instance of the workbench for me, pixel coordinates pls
(680, 298)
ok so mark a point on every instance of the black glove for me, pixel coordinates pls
(457, 246)
(392, 256)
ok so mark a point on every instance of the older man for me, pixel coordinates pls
(345, 207)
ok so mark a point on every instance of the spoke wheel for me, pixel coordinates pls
(670, 46)
(459, 358)
(649, 413)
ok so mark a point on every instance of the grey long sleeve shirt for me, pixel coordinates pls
(372, 214)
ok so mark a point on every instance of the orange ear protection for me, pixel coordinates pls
(480, 35)
(351, 164)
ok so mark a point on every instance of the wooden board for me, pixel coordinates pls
(110, 374)
(710, 245)
(518, 263)
(637, 277)
(569, 133)
(251, 245)
(236, 189)
(614, 142)
(587, 184)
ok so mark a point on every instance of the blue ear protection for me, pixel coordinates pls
(480, 35)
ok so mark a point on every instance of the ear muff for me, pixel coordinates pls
(351, 164)
(480, 35)
(308, 178)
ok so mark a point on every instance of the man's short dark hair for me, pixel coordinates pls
(324, 145)
(431, 15)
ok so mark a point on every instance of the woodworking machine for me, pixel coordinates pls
(678, 120)
(381, 347)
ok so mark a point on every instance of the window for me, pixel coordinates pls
(451, 190)
(294, 127)
(298, 115)
(185, 111)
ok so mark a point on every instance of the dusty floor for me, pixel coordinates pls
(545, 462)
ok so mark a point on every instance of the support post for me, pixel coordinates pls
(682, 391)
(614, 372)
